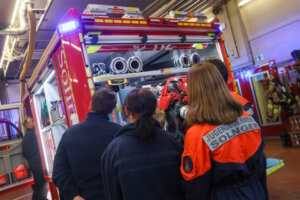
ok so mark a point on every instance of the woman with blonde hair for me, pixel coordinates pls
(223, 152)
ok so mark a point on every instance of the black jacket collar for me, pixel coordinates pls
(97, 116)
(129, 129)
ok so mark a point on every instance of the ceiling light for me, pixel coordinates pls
(15, 12)
(4, 47)
(12, 21)
(1, 62)
(243, 2)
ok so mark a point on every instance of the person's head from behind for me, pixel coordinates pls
(139, 106)
(104, 101)
(28, 123)
(209, 98)
(221, 67)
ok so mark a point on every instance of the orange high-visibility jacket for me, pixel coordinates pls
(225, 161)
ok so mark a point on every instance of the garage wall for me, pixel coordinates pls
(13, 92)
(270, 28)
(273, 28)
(235, 34)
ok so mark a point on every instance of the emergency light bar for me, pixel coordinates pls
(105, 10)
(68, 26)
(181, 15)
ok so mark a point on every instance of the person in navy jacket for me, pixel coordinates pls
(143, 161)
(30, 151)
(77, 164)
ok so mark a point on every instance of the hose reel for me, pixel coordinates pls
(135, 64)
(195, 58)
(183, 61)
(118, 65)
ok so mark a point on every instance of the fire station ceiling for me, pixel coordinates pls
(49, 16)
(6, 8)
(4, 17)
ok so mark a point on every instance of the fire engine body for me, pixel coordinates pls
(99, 49)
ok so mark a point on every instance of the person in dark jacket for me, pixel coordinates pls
(143, 161)
(31, 153)
(77, 164)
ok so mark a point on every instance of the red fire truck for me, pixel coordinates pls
(113, 47)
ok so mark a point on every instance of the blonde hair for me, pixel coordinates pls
(209, 98)
(160, 116)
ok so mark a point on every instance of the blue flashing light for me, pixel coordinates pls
(248, 74)
(68, 26)
(220, 28)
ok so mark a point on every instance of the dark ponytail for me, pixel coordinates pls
(143, 102)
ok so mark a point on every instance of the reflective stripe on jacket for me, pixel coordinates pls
(224, 162)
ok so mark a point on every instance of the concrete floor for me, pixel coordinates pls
(20, 194)
(283, 184)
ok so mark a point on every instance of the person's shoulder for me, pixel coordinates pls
(73, 130)
(166, 134)
(30, 131)
(169, 136)
(115, 125)
(76, 126)
(195, 128)
(115, 145)
(239, 98)
(124, 134)
(197, 131)
(27, 137)
(29, 134)
(112, 128)
(245, 114)
(100, 124)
